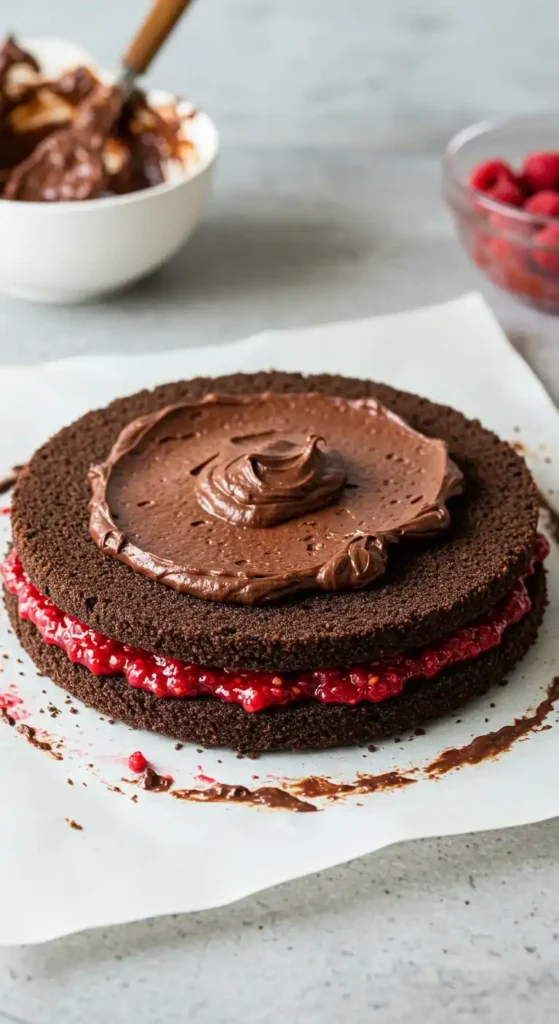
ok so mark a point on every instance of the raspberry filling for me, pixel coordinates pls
(254, 691)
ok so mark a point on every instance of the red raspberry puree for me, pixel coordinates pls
(168, 677)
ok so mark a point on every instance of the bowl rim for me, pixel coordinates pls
(483, 201)
(141, 195)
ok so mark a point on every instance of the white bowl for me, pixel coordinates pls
(70, 252)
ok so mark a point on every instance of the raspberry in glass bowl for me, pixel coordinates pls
(501, 182)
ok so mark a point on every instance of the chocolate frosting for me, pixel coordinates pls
(68, 165)
(64, 167)
(11, 56)
(270, 481)
(76, 138)
(230, 499)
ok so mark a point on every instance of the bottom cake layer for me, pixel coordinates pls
(306, 725)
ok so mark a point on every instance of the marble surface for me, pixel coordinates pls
(333, 117)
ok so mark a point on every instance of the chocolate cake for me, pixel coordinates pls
(272, 561)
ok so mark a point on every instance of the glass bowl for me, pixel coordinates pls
(502, 239)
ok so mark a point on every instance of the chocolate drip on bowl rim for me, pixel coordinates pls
(231, 499)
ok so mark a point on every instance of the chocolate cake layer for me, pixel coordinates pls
(430, 589)
(301, 726)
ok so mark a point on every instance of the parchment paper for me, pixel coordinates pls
(156, 855)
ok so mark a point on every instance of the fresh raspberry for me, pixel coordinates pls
(486, 175)
(548, 259)
(137, 762)
(524, 185)
(545, 203)
(511, 224)
(504, 251)
(506, 191)
(521, 281)
(541, 171)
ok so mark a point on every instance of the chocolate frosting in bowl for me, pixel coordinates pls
(234, 498)
(77, 138)
(68, 165)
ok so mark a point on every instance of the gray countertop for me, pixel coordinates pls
(333, 116)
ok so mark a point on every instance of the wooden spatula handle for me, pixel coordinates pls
(159, 23)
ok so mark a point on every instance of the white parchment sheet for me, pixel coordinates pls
(157, 855)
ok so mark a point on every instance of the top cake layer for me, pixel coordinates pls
(428, 590)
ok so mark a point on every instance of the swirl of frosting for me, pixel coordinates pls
(271, 483)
